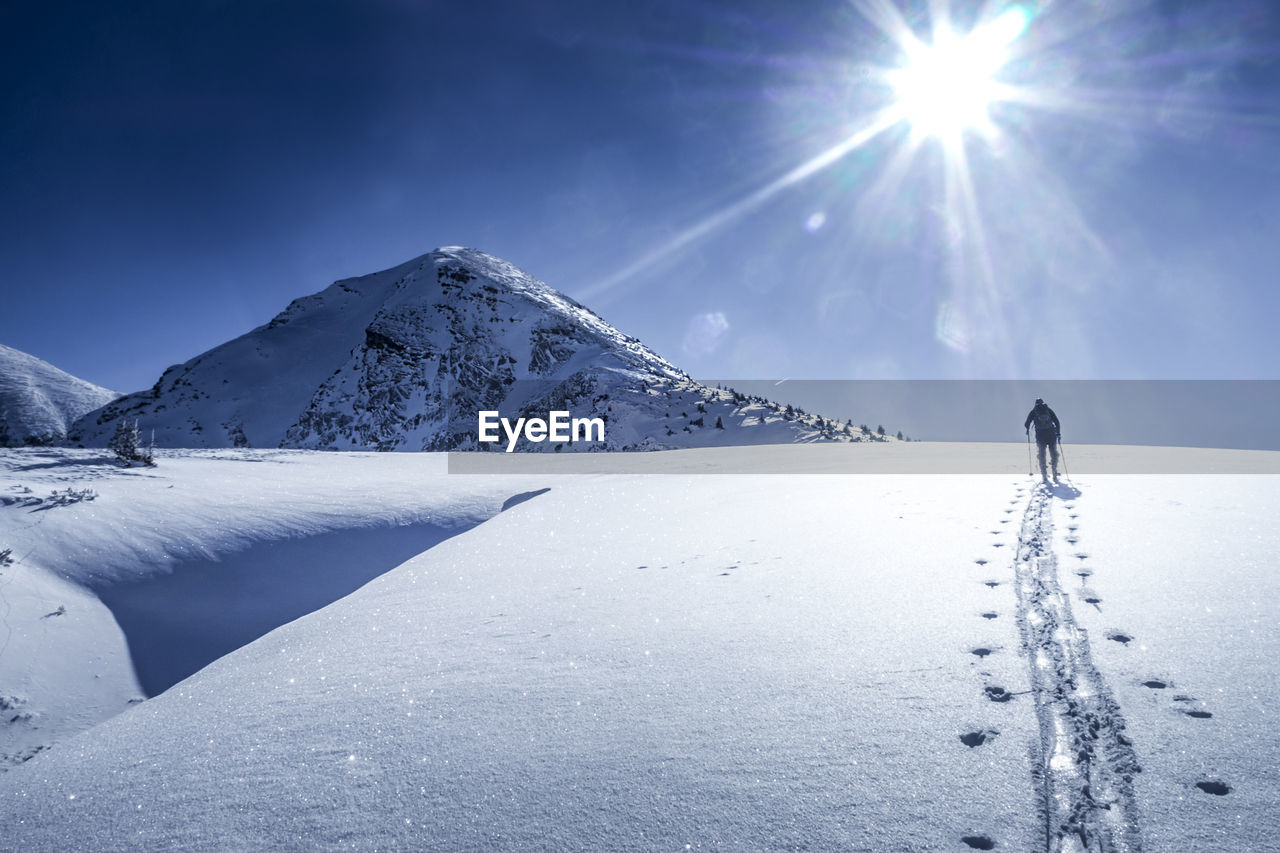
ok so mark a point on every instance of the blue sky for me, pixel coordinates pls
(173, 174)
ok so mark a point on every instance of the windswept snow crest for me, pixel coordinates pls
(404, 359)
(38, 402)
(116, 582)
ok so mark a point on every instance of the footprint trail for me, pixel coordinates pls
(1085, 763)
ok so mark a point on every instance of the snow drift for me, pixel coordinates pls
(192, 558)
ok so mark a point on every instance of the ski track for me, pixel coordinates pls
(1084, 763)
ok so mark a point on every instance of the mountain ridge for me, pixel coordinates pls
(403, 359)
(38, 401)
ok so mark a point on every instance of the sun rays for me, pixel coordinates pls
(941, 89)
(946, 86)
(958, 138)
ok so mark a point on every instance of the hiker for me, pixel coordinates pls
(1048, 434)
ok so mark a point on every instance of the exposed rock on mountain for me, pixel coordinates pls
(405, 359)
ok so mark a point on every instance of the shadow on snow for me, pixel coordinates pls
(180, 622)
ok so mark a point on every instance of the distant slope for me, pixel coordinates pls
(405, 358)
(38, 402)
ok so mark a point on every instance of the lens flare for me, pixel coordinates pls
(952, 135)
(945, 87)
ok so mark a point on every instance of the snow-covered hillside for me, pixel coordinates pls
(404, 359)
(632, 662)
(38, 402)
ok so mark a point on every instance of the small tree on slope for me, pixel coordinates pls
(124, 444)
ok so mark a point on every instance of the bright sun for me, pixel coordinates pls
(945, 88)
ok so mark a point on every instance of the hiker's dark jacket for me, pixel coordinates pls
(1047, 427)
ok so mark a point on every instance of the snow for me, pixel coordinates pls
(630, 661)
(38, 402)
(1186, 567)
(198, 529)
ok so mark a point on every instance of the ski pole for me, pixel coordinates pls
(1030, 471)
(1062, 452)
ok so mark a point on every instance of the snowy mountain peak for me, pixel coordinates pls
(404, 359)
(38, 401)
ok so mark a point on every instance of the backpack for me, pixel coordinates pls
(1042, 417)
